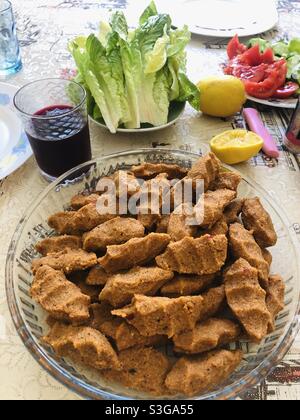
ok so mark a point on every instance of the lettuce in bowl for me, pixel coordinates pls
(132, 76)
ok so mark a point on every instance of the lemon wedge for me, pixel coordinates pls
(236, 146)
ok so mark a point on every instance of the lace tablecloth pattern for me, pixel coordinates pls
(44, 28)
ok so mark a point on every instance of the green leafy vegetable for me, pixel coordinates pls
(294, 68)
(263, 44)
(151, 10)
(156, 59)
(104, 31)
(131, 76)
(119, 25)
(294, 46)
(281, 49)
(179, 39)
(188, 91)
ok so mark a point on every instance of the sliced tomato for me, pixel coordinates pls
(253, 74)
(252, 57)
(262, 90)
(261, 74)
(235, 48)
(268, 56)
(286, 91)
(282, 67)
(267, 87)
(275, 76)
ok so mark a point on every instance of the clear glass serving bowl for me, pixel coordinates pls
(30, 319)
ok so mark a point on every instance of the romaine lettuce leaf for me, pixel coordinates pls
(263, 44)
(115, 60)
(131, 63)
(188, 91)
(294, 68)
(157, 58)
(294, 46)
(100, 100)
(280, 49)
(119, 25)
(150, 40)
(102, 69)
(148, 34)
(173, 80)
(104, 31)
(161, 96)
(179, 39)
(151, 10)
(96, 113)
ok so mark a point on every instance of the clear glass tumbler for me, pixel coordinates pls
(10, 59)
(55, 119)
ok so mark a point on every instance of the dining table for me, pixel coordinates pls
(44, 29)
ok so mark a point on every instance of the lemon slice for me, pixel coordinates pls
(236, 146)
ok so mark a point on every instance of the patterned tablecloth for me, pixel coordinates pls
(44, 28)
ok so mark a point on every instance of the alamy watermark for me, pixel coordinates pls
(124, 194)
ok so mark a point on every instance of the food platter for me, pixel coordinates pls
(269, 71)
(277, 103)
(89, 383)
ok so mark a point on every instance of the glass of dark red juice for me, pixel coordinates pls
(55, 118)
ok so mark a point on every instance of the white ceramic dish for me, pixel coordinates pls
(222, 18)
(14, 145)
(278, 103)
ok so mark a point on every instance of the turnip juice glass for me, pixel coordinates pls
(10, 60)
(55, 119)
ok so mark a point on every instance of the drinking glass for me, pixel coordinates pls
(10, 59)
(54, 115)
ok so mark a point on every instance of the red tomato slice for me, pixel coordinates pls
(252, 56)
(260, 90)
(286, 91)
(254, 74)
(275, 76)
(264, 89)
(268, 56)
(235, 48)
(261, 74)
(281, 66)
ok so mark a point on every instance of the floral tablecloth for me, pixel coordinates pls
(44, 28)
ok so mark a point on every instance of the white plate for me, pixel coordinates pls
(222, 18)
(14, 145)
(176, 110)
(278, 103)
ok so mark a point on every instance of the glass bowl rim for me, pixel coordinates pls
(87, 391)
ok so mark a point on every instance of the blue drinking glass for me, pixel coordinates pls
(10, 59)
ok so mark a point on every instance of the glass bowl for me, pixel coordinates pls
(30, 319)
